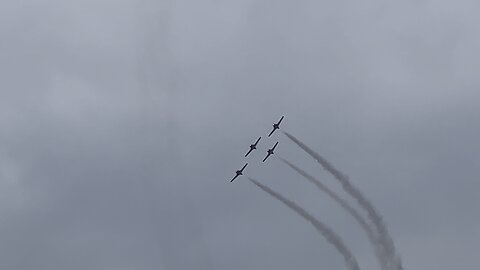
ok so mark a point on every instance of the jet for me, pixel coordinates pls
(270, 151)
(253, 146)
(276, 126)
(239, 172)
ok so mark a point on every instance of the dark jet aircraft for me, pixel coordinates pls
(252, 147)
(276, 126)
(270, 151)
(239, 172)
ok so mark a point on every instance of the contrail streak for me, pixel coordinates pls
(323, 229)
(347, 207)
(384, 236)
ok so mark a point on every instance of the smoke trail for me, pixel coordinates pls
(384, 236)
(347, 207)
(323, 229)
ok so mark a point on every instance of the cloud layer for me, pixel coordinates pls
(122, 122)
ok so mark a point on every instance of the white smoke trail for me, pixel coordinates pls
(382, 260)
(385, 239)
(323, 229)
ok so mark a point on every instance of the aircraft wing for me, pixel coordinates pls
(280, 120)
(234, 178)
(266, 157)
(257, 140)
(249, 151)
(244, 167)
(273, 148)
(271, 132)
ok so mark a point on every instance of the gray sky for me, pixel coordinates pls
(121, 123)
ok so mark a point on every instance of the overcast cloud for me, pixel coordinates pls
(121, 123)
